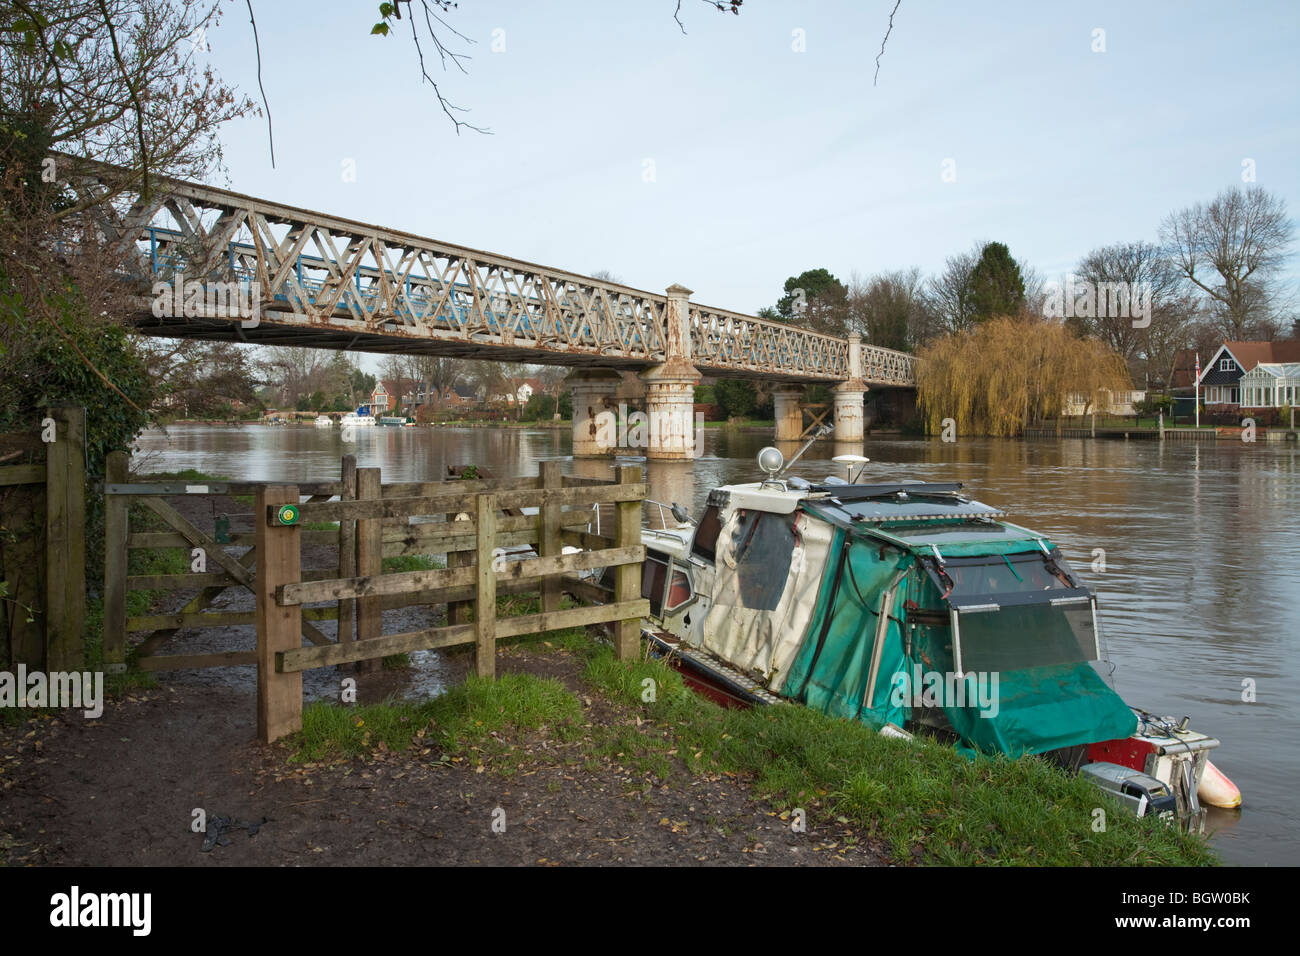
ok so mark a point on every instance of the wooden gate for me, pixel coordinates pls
(234, 568)
(43, 543)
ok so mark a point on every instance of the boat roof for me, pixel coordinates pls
(916, 514)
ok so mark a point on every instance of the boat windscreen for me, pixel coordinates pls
(1013, 611)
(1017, 636)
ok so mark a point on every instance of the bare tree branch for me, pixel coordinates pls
(135, 99)
(270, 133)
(446, 105)
(897, 4)
(722, 6)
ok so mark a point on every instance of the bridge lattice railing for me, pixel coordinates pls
(312, 269)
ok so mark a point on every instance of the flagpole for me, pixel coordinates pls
(1197, 395)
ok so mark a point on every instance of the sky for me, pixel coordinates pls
(754, 147)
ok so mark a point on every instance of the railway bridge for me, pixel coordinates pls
(213, 264)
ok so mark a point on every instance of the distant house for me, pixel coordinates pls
(458, 396)
(522, 393)
(380, 401)
(1106, 403)
(1222, 378)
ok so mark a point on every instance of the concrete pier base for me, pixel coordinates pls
(789, 414)
(670, 406)
(595, 412)
(849, 425)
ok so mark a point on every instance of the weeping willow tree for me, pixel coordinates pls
(1008, 373)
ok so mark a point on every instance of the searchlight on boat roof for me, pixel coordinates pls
(771, 461)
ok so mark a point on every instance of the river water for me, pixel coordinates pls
(1200, 592)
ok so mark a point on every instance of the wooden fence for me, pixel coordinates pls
(43, 543)
(467, 520)
(471, 530)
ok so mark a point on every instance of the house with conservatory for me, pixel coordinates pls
(1251, 375)
(1271, 385)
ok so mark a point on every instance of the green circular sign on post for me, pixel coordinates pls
(288, 514)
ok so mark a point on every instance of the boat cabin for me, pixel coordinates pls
(903, 603)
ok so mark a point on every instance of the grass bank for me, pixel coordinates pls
(924, 802)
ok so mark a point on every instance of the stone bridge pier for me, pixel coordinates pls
(849, 397)
(787, 402)
(669, 433)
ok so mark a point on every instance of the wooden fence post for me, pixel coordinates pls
(116, 528)
(458, 611)
(279, 628)
(627, 577)
(65, 541)
(550, 539)
(370, 561)
(485, 604)
(347, 548)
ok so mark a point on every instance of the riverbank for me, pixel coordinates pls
(1154, 433)
(562, 761)
(532, 769)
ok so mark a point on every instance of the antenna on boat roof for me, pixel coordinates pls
(849, 461)
(823, 430)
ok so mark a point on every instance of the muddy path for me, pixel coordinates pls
(122, 791)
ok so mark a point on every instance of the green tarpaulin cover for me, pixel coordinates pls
(1044, 708)
(1037, 709)
(845, 625)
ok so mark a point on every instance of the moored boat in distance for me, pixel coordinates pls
(910, 607)
(324, 421)
(352, 419)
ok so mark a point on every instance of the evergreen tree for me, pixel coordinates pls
(816, 300)
(997, 286)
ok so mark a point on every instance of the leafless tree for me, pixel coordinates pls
(1141, 268)
(401, 375)
(890, 309)
(949, 293)
(437, 373)
(295, 372)
(1231, 249)
(121, 81)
